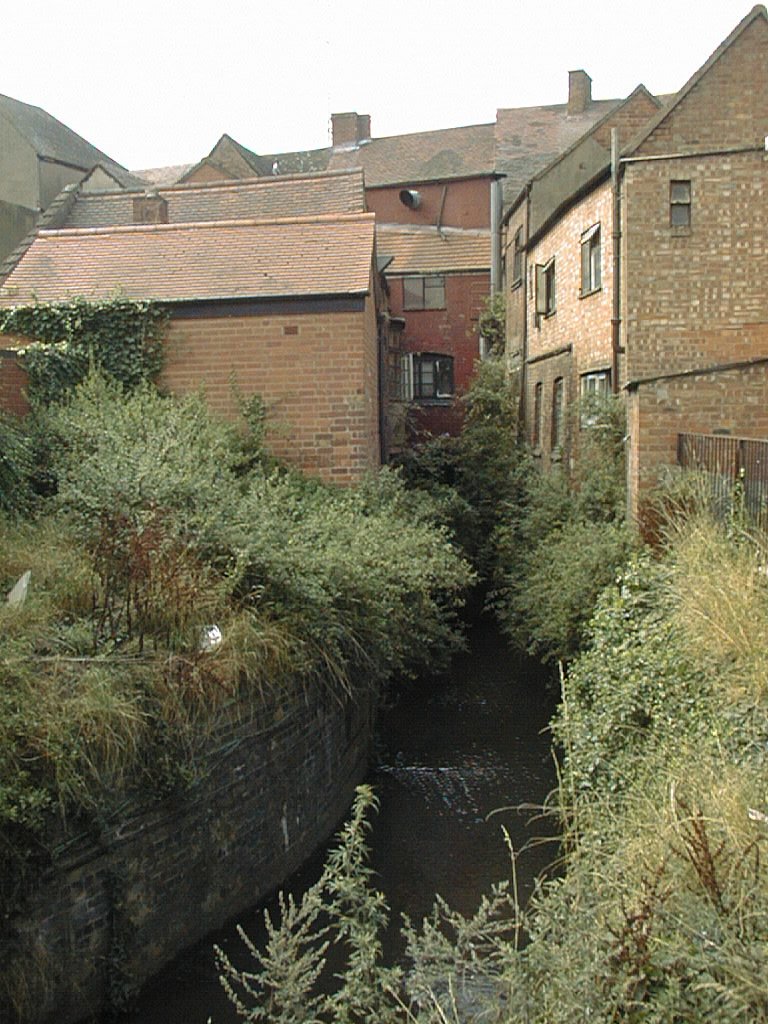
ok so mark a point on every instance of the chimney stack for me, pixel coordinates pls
(350, 129)
(151, 208)
(579, 91)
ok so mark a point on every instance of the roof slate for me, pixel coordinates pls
(55, 141)
(423, 156)
(204, 261)
(529, 138)
(430, 250)
(262, 198)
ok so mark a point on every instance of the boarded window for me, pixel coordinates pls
(558, 412)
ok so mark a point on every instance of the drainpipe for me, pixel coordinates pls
(496, 201)
(524, 286)
(616, 236)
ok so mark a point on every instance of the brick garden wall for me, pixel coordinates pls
(155, 877)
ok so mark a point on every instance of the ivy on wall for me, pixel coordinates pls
(121, 337)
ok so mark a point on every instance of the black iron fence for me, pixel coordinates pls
(737, 468)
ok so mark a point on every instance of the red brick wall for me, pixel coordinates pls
(316, 372)
(467, 204)
(451, 331)
(13, 381)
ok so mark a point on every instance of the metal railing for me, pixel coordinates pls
(730, 461)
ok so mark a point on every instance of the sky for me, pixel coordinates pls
(157, 83)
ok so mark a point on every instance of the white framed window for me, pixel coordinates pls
(546, 303)
(591, 276)
(594, 391)
(432, 376)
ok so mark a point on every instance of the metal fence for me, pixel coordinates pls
(737, 467)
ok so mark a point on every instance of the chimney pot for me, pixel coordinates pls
(579, 91)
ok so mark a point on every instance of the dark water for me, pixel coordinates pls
(455, 761)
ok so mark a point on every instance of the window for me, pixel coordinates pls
(402, 389)
(424, 292)
(590, 260)
(432, 376)
(545, 288)
(595, 390)
(517, 257)
(558, 408)
(680, 204)
(537, 397)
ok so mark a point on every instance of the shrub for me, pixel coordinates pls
(16, 463)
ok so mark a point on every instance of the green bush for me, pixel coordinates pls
(562, 540)
(16, 464)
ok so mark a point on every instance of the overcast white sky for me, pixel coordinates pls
(156, 83)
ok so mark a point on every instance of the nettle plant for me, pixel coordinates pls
(120, 337)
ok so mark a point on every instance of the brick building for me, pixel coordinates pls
(434, 195)
(676, 316)
(303, 334)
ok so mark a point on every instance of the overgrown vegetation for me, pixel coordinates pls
(120, 337)
(162, 522)
(661, 911)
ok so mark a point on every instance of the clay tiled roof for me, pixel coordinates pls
(422, 156)
(251, 198)
(529, 138)
(428, 250)
(221, 260)
(53, 140)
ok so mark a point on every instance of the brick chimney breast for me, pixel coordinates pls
(349, 129)
(151, 208)
(579, 91)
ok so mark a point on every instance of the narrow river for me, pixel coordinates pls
(455, 760)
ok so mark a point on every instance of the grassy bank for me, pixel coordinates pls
(157, 523)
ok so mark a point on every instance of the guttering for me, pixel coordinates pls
(694, 155)
(616, 239)
(702, 371)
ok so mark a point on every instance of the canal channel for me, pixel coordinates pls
(459, 761)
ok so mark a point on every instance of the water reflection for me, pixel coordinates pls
(456, 758)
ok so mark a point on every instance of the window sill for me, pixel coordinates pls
(435, 401)
(680, 230)
(516, 284)
(592, 291)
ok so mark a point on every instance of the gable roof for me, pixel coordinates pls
(757, 12)
(412, 249)
(52, 140)
(255, 198)
(422, 156)
(204, 261)
(530, 138)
